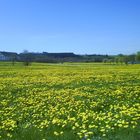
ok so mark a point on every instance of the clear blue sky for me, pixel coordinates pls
(79, 26)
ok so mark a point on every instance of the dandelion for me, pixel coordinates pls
(56, 133)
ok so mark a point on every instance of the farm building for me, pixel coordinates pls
(3, 57)
(7, 56)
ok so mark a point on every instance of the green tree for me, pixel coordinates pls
(13, 59)
(26, 58)
(121, 58)
(138, 56)
(126, 59)
(132, 58)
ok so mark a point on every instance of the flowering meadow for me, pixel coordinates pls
(69, 101)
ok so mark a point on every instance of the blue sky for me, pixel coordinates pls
(79, 26)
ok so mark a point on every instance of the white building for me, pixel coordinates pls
(3, 57)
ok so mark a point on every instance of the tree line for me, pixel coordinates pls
(27, 57)
(126, 59)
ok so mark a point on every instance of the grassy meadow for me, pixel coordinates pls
(70, 101)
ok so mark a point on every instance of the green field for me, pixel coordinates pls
(70, 101)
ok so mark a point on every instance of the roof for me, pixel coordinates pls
(9, 54)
